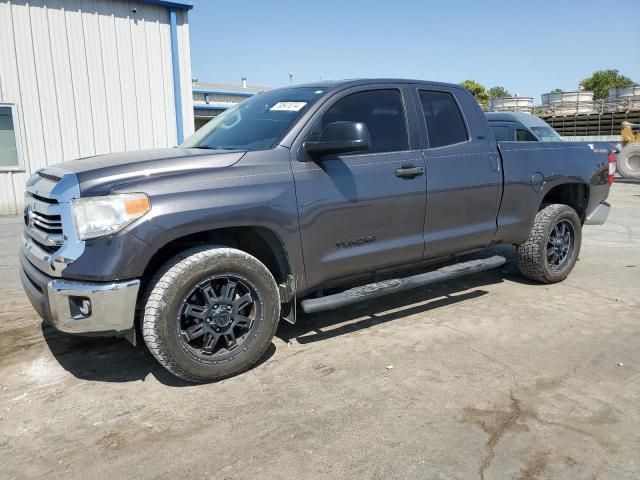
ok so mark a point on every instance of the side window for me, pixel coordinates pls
(445, 125)
(502, 133)
(9, 153)
(525, 136)
(381, 111)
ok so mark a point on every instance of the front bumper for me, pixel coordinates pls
(599, 214)
(112, 305)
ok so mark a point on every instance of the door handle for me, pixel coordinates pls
(409, 170)
(495, 162)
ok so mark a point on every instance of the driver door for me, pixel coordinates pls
(359, 212)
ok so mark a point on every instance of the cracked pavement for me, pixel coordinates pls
(493, 378)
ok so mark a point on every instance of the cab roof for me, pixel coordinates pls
(331, 84)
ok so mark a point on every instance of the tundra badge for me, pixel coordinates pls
(356, 242)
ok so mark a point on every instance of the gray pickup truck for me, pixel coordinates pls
(314, 196)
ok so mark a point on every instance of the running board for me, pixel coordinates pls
(379, 289)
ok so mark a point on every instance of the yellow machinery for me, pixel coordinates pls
(628, 136)
(629, 156)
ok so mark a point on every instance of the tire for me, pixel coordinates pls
(541, 257)
(210, 313)
(628, 163)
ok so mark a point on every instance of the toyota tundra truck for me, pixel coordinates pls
(308, 197)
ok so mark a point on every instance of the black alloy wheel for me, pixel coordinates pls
(560, 244)
(216, 317)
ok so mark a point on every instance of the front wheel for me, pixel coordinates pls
(551, 251)
(211, 313)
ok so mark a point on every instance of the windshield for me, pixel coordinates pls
(546, 134)
(257, 123)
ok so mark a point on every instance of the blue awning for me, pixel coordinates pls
(185, 4)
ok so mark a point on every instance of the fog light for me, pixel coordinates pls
(85, 307)
(80, 306)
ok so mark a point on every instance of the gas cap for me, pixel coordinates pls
(537, 181)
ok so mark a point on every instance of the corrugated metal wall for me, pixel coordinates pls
(88, 77)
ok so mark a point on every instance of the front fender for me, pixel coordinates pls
(258, 191)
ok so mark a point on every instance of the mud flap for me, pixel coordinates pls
(288, 298)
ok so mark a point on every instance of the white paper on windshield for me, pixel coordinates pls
(288, 106)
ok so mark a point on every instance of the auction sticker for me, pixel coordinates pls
(288, 106)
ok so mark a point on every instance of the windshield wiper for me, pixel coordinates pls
(212, 147)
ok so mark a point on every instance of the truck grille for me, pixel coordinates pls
(42, 219)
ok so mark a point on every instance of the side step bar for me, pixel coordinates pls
(379, 289)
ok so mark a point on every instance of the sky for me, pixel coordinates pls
(527, 47)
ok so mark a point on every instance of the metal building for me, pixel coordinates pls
(87, 77)
(209, 99)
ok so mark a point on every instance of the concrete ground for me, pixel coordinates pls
(488, 377)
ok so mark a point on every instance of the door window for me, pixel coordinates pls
(381, 111)
(525, 136)
(502, 133)
(445, 124)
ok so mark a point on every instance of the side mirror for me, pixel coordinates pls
(340, 137)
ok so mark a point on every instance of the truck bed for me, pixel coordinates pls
(524, 184)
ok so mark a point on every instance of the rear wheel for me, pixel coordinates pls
(211, 313)
(551, 250)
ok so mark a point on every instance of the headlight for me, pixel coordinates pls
(99, 216)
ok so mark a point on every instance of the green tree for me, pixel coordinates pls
(556, 90)
(478, 90)
(498, 92)
(601, 81)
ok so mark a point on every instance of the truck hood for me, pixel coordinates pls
(101, 174)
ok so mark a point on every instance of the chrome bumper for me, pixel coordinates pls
(111, 305)
(49, 245)
(599, 214)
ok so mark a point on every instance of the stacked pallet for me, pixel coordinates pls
(607, 123)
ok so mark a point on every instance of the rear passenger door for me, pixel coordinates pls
(464, 180)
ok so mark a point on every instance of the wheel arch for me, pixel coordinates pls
(261, 242)
(572, 194)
